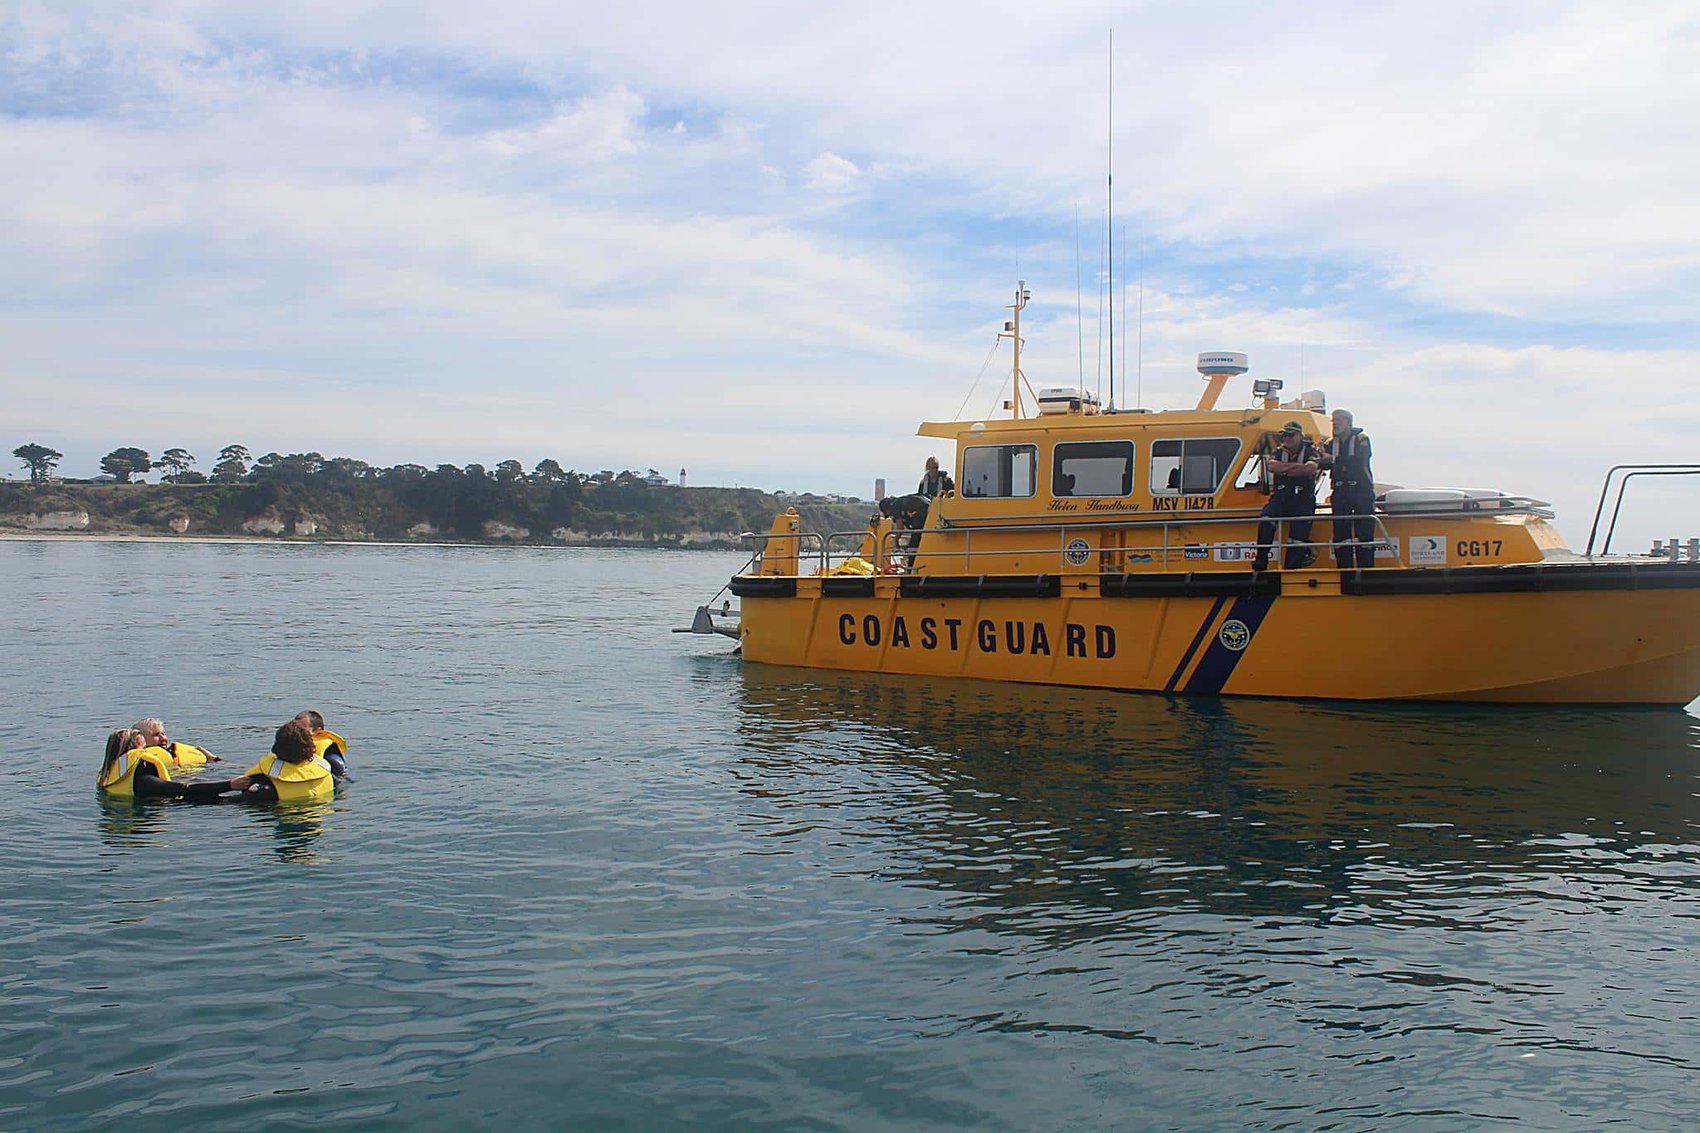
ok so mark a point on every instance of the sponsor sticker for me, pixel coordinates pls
(1236, 552)
(1426, 550)
(1196, 551)
(1234, 635)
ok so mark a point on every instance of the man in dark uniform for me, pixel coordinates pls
(908, 515)
(1294, 466)
(1347, 456)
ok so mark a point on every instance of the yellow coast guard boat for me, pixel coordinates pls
(1114, 550)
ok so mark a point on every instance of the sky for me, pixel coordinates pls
(763, 241)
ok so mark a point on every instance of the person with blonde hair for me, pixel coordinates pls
(934, 482)
(133, 768)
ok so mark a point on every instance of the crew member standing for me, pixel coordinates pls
(1294, 466)
(933, 482)
(1347, 457)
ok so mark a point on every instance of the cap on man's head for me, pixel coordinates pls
(1292, 427)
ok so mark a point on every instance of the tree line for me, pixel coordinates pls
(349, 495)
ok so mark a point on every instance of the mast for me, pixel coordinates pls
(1110, 190)
(1012, 331)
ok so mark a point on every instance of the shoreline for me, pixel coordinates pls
(263, 541)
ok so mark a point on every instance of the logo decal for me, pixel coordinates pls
(1197, 551)
(1234, 635)
(1426, 550)
(1078, 551)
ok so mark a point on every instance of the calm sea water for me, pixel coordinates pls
(592, 875)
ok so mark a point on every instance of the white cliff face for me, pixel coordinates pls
(421, 531)
(306, 527)
(178, 524)
(58, 521)
(494, 530)
(263, 525)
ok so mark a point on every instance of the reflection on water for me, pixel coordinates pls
(295, 828)
(1064, 812)
(143, 824)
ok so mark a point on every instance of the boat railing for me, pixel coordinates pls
(827, 553)
(895, 548)
(1629, 472)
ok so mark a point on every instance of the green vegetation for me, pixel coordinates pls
(40, 460)
(123, 463)
(308, 495)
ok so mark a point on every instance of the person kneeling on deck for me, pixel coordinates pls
(1294, 466)
(909, 515)
(1353, 501)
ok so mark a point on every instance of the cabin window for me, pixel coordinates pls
(999, 471)
(1251, 472)
(1092, 468)
(1194, 466)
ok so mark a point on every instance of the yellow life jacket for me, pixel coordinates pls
(186, 755)
(120, 778)
(297, 782)
(324, 740)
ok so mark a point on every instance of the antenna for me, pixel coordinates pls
(1124, 306)
(1079, 315)
(1098, 347)
(1139, 350)
(1110, 191)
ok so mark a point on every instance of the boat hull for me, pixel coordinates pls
(1584, 634)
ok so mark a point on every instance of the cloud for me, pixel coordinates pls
(592, 129)
(484, 228)
(830, 173)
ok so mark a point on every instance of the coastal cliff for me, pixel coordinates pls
(427, 507)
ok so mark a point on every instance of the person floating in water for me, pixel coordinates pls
(327, 745)
(133, 768)
(182, 755)
(293, 771)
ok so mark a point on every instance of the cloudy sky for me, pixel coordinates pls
(762, 241)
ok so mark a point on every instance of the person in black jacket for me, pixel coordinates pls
(1347, 458)
(908, 515)
(1294, 466)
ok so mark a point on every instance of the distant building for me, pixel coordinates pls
(681, 477)
(654, 479)
(879, 488)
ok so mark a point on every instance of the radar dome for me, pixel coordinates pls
(1222, 362)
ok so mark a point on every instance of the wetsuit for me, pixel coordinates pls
(1353, 500)
(1294, 495)
(148, 785)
